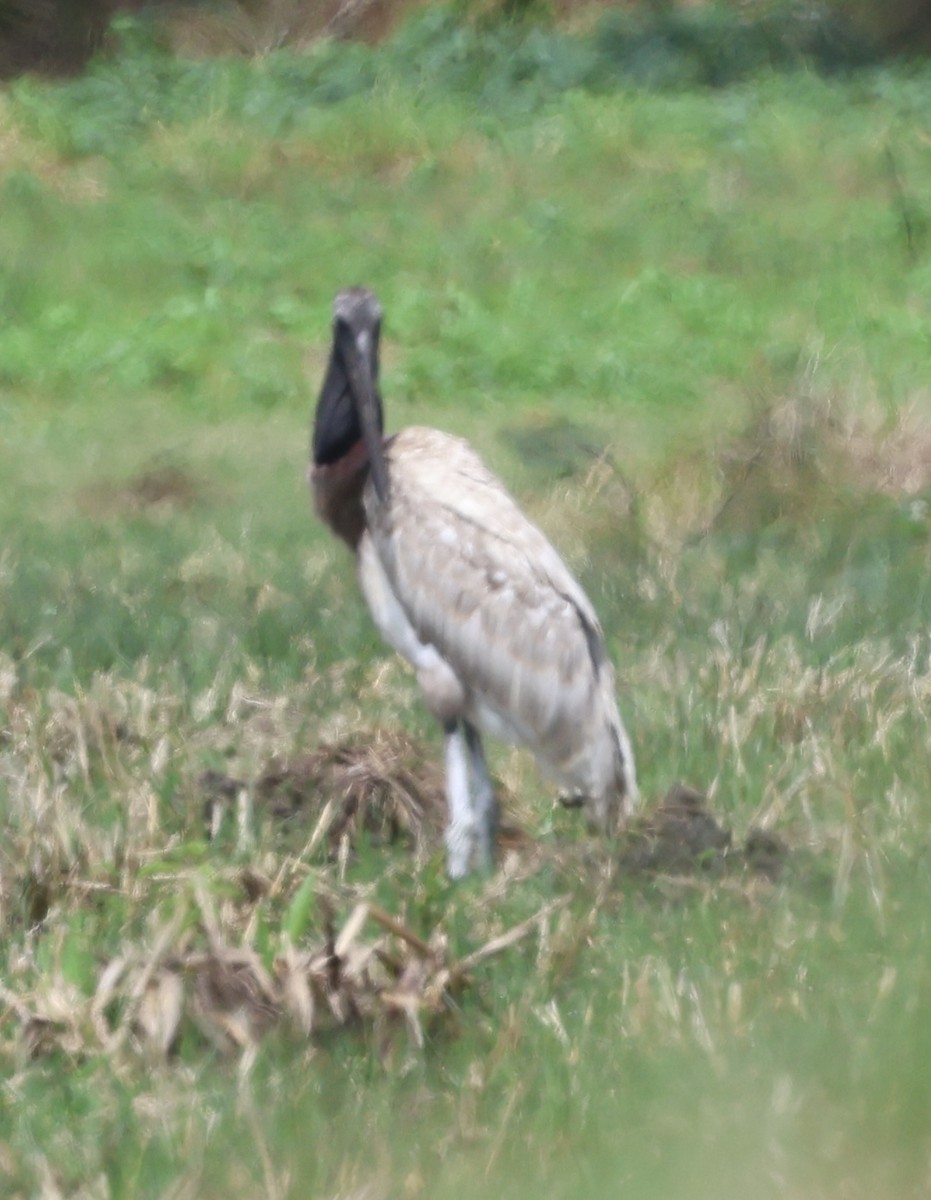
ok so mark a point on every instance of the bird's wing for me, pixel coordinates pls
(483, 585)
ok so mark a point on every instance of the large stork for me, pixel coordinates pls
(460, 583)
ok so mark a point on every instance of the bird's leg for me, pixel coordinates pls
(460, 829)
(484, 801)
(600, 813)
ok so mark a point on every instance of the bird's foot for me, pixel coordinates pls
(484, 850)
(605, 815)
(460, 846)
(469, 847)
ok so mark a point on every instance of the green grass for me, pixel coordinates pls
(690, 328)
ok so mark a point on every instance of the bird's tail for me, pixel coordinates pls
(625, 772)
(617, 797)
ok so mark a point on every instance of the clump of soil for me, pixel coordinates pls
(682, 837)
(383, 786)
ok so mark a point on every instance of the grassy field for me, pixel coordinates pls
(691, 330)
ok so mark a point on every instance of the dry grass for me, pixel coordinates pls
(91, 827)
(812, 445)
(798, 455)
(189, 956)
(192, 979)
(197, 965)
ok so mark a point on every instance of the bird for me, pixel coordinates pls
(502, 638)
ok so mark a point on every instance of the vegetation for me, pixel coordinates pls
(690, 327)
(704, 39)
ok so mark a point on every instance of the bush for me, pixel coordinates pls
(51, 36)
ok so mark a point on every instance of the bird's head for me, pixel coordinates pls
(349, 407)
(357, 310)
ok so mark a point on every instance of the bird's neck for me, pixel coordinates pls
(337, 491)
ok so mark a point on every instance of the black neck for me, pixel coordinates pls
(337, 427)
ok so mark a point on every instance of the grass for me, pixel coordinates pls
(690, 329)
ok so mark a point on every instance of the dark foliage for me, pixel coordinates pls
(656, 46)
(51, 36)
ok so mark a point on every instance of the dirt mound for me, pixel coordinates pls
(381, 785)
(682, 837)
(384, 786)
